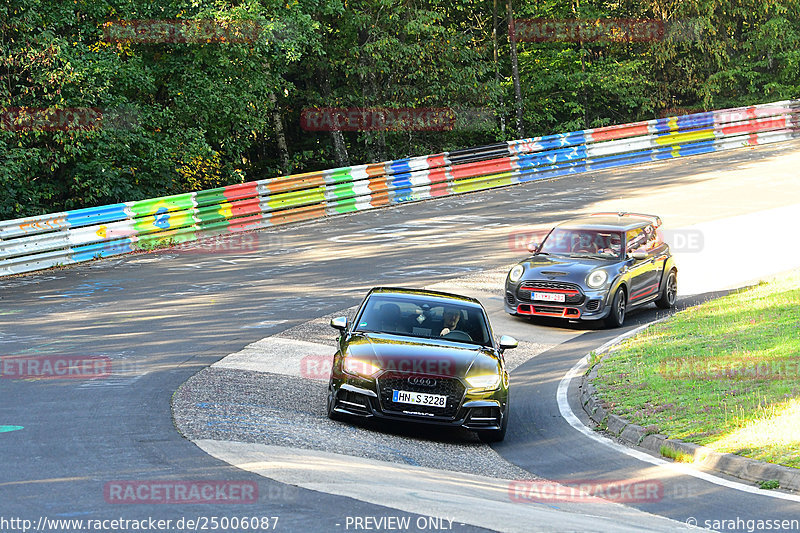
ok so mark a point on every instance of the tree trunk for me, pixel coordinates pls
(512, 38)
(283, 148)
(496, 62)
(339, 146)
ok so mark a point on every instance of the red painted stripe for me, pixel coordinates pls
(481, 168)
(752, 126)
(563, 291)
(436, 161)
(241, 190)
(246, 207)
(439, 178)
(646, 290)
(563, 314)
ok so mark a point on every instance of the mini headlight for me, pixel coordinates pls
(515, 273)
(359, 367)
(486, 381)
(597, 279)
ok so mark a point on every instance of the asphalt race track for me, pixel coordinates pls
(161, 318)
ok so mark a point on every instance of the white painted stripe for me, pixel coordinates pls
(276, 355)
(574, 421)
(430, 492)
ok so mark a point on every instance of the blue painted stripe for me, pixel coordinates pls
(87, 252)
(96, 215)
(405, 194)
(620, 160)
(398, 166)
(400, 181)
(553, 156)
(549, 171)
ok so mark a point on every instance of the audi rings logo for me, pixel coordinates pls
(422, 382)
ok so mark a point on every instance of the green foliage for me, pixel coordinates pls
(189, 114)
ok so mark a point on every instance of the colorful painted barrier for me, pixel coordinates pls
(45, 241)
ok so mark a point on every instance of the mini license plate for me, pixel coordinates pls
(419, 398)
(549, 296)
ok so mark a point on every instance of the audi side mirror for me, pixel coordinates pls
(507, 343)
(339, 323)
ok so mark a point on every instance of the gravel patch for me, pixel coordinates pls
(239, 405)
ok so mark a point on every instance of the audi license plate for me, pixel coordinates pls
(549, 296)
(419, 398)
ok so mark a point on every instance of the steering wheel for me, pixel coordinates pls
(457, 335)
(590, 248)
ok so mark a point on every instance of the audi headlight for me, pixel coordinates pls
(360, 368)
(484, 382)
(597, 279)
(515, 273)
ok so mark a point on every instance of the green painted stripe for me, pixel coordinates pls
(343, 190)
(170, 203)
(339, 175)
(164, 222)
(210, 197)
(482, 182)
(296, 198)
(343, 206)
(149, 241)
(6, 429)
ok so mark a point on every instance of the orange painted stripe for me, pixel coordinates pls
(295, 215)
(608, 133)
(295, 182)
(375, 169)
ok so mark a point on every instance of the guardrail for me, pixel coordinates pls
(40, 242)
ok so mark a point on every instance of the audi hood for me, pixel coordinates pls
(402, 354)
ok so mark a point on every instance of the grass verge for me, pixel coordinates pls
(725, 374)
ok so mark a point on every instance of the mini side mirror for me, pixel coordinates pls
(533, 247)
(507, 343)
(339, 323)
(638, 255)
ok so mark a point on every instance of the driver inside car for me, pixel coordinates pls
(450, 318)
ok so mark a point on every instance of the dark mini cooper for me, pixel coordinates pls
(596, 267)
(421, 356)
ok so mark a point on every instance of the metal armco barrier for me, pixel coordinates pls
(36, 243)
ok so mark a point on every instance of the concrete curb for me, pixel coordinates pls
(703, 458)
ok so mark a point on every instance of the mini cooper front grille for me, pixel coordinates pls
(526, 288)
(450, 387)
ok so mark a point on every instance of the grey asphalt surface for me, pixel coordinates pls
(164, 316)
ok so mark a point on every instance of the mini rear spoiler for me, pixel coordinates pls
(656, 221)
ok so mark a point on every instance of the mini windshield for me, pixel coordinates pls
(424, 319)
(581, 242)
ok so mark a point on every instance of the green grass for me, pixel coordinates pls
(675, 455)
(725, 374)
